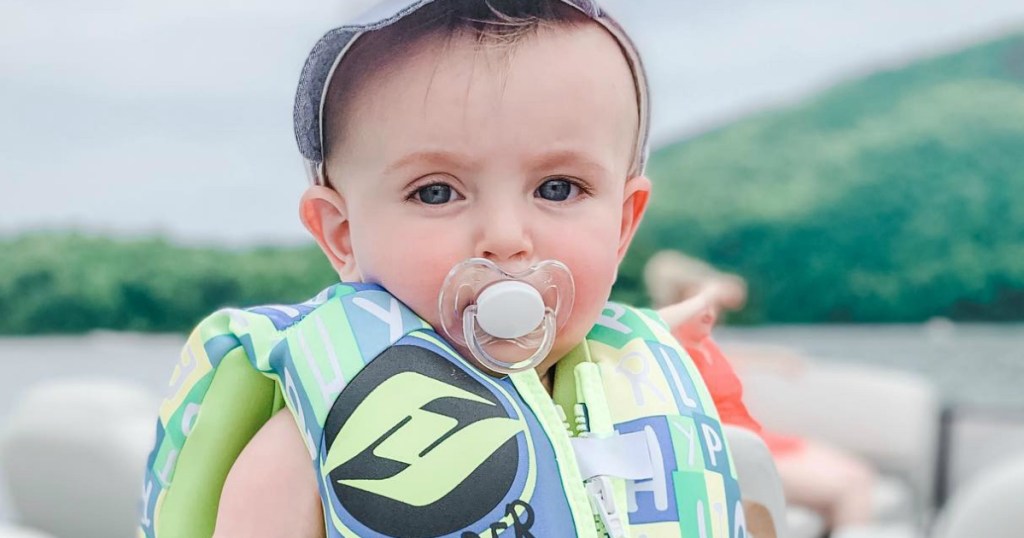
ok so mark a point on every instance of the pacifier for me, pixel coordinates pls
(508, 321)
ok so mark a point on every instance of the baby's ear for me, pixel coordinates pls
(634, 204)
(324, 213)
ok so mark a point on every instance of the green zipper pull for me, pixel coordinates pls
(552, 418)
(593, 418)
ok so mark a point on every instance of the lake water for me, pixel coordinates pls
(973, 365)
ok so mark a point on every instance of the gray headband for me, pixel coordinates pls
(328, 52)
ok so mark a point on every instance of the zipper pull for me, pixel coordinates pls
(593, 419)
(582, 419)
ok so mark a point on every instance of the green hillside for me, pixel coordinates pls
(894, 198)
(68, 283)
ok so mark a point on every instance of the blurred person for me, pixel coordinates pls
(836, 484)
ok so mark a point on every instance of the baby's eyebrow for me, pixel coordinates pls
(570, 158)
(439, 158)
(567, 160)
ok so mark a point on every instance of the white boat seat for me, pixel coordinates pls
(73, 454)
(20, 532)
(988, 506)
(758, 478)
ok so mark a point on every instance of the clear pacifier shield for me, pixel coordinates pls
(508, 321)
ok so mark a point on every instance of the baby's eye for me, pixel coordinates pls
(557, 190)
(436, 194)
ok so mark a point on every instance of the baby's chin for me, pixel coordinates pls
(510, 353)
(506, 352)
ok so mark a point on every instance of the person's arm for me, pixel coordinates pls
(682, 312)
(712, 297)
(271, 490)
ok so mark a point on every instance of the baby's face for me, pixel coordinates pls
(461, 152)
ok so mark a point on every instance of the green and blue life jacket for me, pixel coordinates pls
(410, 440)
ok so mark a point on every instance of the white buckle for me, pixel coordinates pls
(602, 502)
(625, 455)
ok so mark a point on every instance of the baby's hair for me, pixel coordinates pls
(502, 23)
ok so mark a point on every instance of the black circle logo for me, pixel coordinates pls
(417, 447)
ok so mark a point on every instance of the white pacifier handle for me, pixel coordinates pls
(509, 309)
(470, 319)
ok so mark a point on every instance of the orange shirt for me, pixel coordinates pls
(727, 392)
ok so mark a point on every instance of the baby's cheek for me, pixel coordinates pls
(593, 281)
(415, 275)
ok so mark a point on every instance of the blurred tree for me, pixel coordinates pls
(54, 283)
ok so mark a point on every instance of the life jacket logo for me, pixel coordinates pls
(418, 447)
(393, 419)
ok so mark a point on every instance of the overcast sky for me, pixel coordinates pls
(175, 117)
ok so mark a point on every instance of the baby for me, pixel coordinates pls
(487, 157)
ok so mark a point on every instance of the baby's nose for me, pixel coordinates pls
(505, 240)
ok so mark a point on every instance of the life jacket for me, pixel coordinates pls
(409, 439)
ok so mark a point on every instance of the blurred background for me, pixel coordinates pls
(859, 164)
